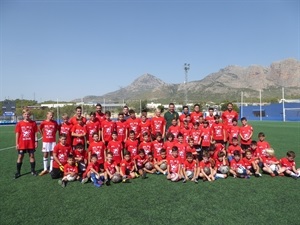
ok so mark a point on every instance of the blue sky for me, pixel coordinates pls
(70, 49)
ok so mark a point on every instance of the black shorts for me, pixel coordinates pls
(245, 147)
(56, 173)
(23, 151)
(252, 170)
(140, 167)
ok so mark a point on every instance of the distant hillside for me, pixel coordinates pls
(226, 84)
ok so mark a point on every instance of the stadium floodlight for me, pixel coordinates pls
(186, 68)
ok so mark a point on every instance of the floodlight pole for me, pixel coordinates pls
(260, 112)
(186, 68)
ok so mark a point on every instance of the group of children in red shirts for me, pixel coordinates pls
(126, 149)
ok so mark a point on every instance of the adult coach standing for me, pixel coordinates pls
(170, 115)
(229, 114)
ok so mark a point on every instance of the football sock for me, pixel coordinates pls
(51, 163)
(19, 165)
(45, 162)
(32, 165)
(218, 175)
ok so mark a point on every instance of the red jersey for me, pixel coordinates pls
(195, 134)
(74, 121)
(191, 149)
(218, 131)
(132, 147)
(235, 164)
(70, 169)
(140, 161)
(157, 125)
(98, 148)
(62, 152)
(48, 130)
(210, 119)
(218, 164)
(134, 124)
(108, 127)
(100, 116)
(186, 134)
(26, 131)
(195, 116)
(145, 127)
(110, 166)
(147, 146)
(66, 128)
(156, 147)
(174, 130)
(91, 128)
(121, 130)
(182, 118)
(205, 136)
(190, 166)
(116, 148)
(246, 133)
(160, 159)
(233, 131)
(94, 166)
(227, 117)
(262, 146)
(287, 164)
(203, 164)
(168, 145)
(248, 162)
(268, 161)
(232, 148)
(181, 150)
(174, 164)
(82, 155)
(77, 129)
(127, 165)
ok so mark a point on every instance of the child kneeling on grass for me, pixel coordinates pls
(70, 172)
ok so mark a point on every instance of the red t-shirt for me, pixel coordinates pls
(174, 164)
(77, 129)
(195, 134)
(100, 116)
(168, 146)
(246, 133)
(206, 136)
(49, 129)
(98, 148)
(174, 130)
(127, 165)
(74, 121)
(91, 128)
(157, 125)
(62, 152)
(160, 159)
(121, 130)
(181, 150)
(248, 162)
(156, 147)
(110, 166)
(186, 134)
(195, 116)
(191, 149)
(288, 164)
(203, 164)
(80, 154)
(145, 127)
(70, 169)
(269, 160)
(116, 148)
(66, 128)
(227, 117)
(233, 131)
(232, 148)
(218, 131)
(262, 146)
(235, 164)
(147, 146)
(139, 160)
(26, 132)
(190, 166)
(219, 163)
(108, 126)
(132, 147)
(95, 166)
(134, 124)
(210, 119)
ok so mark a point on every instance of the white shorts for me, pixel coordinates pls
(48, 146)
(69, 178)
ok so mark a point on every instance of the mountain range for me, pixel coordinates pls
(226, 84)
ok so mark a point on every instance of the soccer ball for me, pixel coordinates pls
(190, 174)
(241, 170)
(163, 166)
(149, 166)
(116, 178)
(207, 170)
(174, 177)
(224, 169)
(274, 168)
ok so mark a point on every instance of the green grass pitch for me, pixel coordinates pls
(40, 200)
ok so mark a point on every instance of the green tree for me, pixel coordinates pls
(224, 107)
